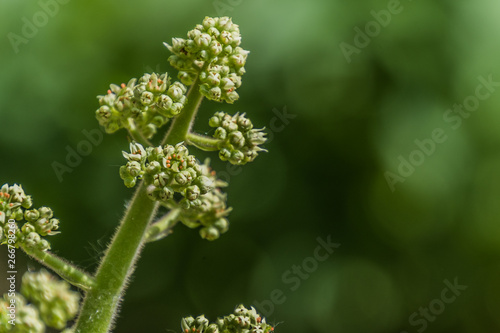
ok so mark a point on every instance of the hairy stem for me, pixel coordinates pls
(203, 142)
(67, 271)
(163, 227)
(101, 302)
(137, 135)
(184, 121)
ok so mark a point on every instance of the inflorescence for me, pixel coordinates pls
(54, 299)
(211, 51)
(14, 205)
(243, 320)
(239, 141)
(171, 170)
(145, 106)
(52, 303)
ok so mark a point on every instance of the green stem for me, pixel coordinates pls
(203, 142)
(182, 124)
(67, 271)
(101, 302)
(137, 135)
(163, 227)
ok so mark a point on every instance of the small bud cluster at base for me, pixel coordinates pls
(210, 214)
(212, 211)
(211, 51)
(243, 320)
(239, 141)
(56, 302)
(14, 205)
(166, 170)
(18, 316)
(149, 104)
(169, 170)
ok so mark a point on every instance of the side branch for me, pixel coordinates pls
(203, 142)
(67, 271)
(182, 124)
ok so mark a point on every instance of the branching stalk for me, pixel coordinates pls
(163, 227)
(203, 142)
(182, 124)
(100, 305)
(67, 271)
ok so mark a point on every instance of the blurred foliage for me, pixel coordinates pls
(324, 173)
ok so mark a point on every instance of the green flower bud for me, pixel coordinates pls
(134, 169)
(165, 102)
(129, 182)
(213, 94)
(229, 125)
(27, 202)
(256, 137)
(205, 184)
(161, 179)
(165, 194)
(244, 123)
(186, 204)
(241, 310)
(181, 178)
(215, 48)
(212, 328)
(43, 245)
(209, 233)
(236, 157)
(222, 225)
(224, 154)
(257, 329)
(17, 214)
(31, 215)
(209, 22)
(176, 108)
(187, 323)
(147, 98)
(203, 40)
(236, 139)
(220, 133)
(201, 321)
(45, 212)
(190, 161)
(192, 192)
(28, 228)
(158, 121)
(214, 121)
(32, 239)
(232, 96)
(176, 91)
(153, 167)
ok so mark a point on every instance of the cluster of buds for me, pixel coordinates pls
(239, 140)
(211, 51)
(166, 170)
(18, 316)
(147, 105)
(211, 212)
(14, 205)
(56, 302)
(243, 320)
(169, 170)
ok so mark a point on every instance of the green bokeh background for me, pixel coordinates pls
(324, 174)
